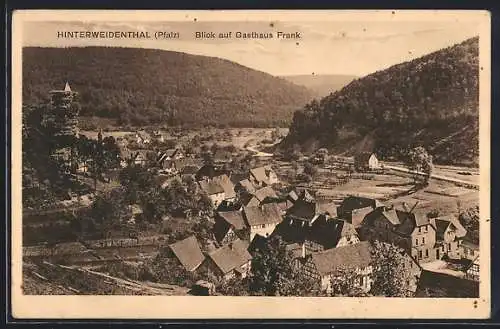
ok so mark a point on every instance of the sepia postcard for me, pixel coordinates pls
(250, 164)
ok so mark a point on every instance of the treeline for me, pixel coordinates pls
(431, 101)
(144, 86)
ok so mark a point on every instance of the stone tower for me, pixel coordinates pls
(61, 122)
(62, 115)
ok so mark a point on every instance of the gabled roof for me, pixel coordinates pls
(188, 253)
(265, 192)
(171, 152)
(391, 216)
(189, 170)
(303, 210)
(231, 256)
(261, 174)
(268, 213)
(460, 230)
(245, 183)
(351, 256)
(234, 218)
(226, 184)
(410, 221)
(355, 202)
(207, 171)
(326, 207)
(210, 187)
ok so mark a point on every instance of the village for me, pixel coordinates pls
(210, 206)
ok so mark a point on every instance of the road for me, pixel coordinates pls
(435, 176)
(258, 153)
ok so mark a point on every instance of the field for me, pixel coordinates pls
(393, 188)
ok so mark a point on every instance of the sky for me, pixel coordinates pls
(326, 47)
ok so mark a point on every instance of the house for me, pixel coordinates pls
(158, 136)
(227, 185)
(230, 261)
(322, 266)
(229, 226)
(189, 171)
(325, 233)
(263, 176)
(135, 211)
(262, 219)
(174, 154)
(139, 158)
(472, 271)
(258, 197)
(142, 137)
(222, 156)
(354, 209)
(366, 161)
(245, 185)
(163, 181)
(207, 171)
(469, 249)
(188, 253)
(321, 234)
(214, 191)
(84, 166)
(380, 224)
(436, 284)
(308, 209)
(426, 239)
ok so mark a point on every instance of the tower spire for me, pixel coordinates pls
(67, 87)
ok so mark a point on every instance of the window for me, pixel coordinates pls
(416, 242)
(420, 254)
(360, 280)
(419, 230)
(263, 225)
(423, 240)
(449, 246)
(426, 253)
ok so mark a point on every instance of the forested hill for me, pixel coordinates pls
(431, 101)
(144, 86)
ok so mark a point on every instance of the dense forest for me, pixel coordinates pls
(145, 86)
(321, 84)
(431, 101)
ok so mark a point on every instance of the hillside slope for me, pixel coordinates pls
(430, 101)
(321, 84)
(141, 86)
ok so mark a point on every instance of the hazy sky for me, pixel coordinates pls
(326, 47)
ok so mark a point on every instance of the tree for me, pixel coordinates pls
(420, 161)
(310, 169)
(470, 220)
(391, 275)
(345, 282)
(272, 272)
(109, 209)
